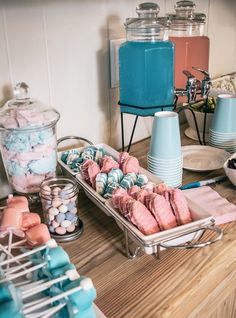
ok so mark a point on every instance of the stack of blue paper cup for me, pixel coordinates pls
(222, 133)
(165, 156)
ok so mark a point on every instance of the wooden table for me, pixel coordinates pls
(183, 283)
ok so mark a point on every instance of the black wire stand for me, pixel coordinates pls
(178, 109)
(156, 108)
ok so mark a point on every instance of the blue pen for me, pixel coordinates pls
(197, 184)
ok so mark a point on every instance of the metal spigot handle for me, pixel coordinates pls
(206, 73)
(188, 74)
(191, 86)
(206, 82)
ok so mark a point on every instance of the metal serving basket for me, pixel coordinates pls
(181, 237)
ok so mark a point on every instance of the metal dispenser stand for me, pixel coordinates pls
(193, 89)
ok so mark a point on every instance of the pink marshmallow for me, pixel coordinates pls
(20, 183)
(20, 203)
(31, 116)
(27, 183)
(37, 235)
(7, 154)
(30, 220)
(46, 149)
(28, 156)
(11, 221)
(22, 122)
(10, 123)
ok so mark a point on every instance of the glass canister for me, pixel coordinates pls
(191, 45)
(28, 141)
(59, 197)
(5, 188)
(146, 63)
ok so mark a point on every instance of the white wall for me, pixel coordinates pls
(60, 48)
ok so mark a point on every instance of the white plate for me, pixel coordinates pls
(203, 158)
(192, 134)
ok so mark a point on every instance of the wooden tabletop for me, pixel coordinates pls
(183, 283)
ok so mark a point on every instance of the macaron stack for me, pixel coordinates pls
(74, 158)
(109, 174)
(155, 211)
(59, 201)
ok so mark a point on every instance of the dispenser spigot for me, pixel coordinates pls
(191, 87)
(206, 82)
(195, 87)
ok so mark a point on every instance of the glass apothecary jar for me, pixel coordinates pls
(146, 63)
(28, 141)
(191, 44)
(59, 197)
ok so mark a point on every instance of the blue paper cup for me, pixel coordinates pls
(165, 139)
(225, 114)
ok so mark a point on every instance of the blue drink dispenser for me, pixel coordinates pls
(146, 62)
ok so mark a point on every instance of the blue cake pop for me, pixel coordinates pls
(83, 298)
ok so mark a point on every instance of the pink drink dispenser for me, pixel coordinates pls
(191, 45)
(28, 141)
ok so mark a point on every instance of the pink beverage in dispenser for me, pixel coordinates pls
(191, 45)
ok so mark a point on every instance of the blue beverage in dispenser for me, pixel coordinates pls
(146, 64)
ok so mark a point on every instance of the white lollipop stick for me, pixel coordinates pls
(70, 274)
(51, 243)
(36, 302)
(16, 244)
(5, 250)
(17, 268)
(53, 311)
(29, 284)
(27, 271)
(47, 313)
(23, 283)
(9, 247)
(86, 284)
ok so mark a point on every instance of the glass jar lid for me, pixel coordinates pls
(185, 15)
(25, 113)
(148, 24)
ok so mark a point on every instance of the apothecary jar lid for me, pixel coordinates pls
(185, 16)
(147, 26)
(24, 113)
